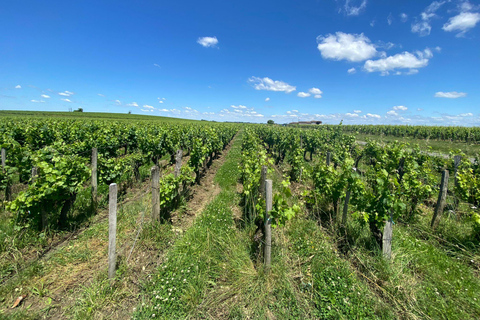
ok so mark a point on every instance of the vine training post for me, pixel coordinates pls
(112, 229)
(268, 223)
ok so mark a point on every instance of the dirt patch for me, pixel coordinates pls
(201, 194)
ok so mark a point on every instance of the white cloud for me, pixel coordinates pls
(451, 95)
(401, 108)
(370, 115)
(419, 109)
(469, 114)
(303, 94)
(163, 110)
(351, 115)
(390, 19)
(271, 85)
(18, 86)
(208, 41)
(118, 102)
(345, 46)
(354, 9)
(405, 60)
(315, 91)
(392, 113)
(101, 95)
(267, 99)
(147, 110)
(422, 26)
(357, 111)
(238, 107)
(372, 23)
(156, 65)
(37, 101)
(146, 106)
(45, 96)
(462, 22)
(352, 70)
(317, 96)
(403, 17)
(66, 100)
(160, 101)
(66, 93)
(133, 104)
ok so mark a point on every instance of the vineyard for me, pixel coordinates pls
(235, 221)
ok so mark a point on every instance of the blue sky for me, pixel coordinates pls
(360, 61)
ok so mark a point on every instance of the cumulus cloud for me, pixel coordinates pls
(147, 110)
(66, 100)
(352, 70)
(372, 116)
(422, 25)
(238, 107)
(18, 86)
(392, 113)
(66, 93)
(267, 99)
(118, 102)
(45, 96)
(163, 110)
(146, 106)
(403, 17)
(345, 46)
(303, 94)
(400, 108)
(271, 85)
(357, 111)
(208, 41)
(405, 60)
(351, 115)
(133, 104)
(469, 114)
(462, 22)
(451, 94)
(38, 101)
(354, 8)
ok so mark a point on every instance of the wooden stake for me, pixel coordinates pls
(112, 229)
(178, 162)
(34, 174)
(268, 222)
(442, 196)
(329, 158)
(94, 175)
(155, 172)
(263, 177)
(4, 158)
(387, 239)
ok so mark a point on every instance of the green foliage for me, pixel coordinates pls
(59, 179)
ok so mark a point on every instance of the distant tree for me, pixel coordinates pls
(270, 122)
(78, 110)
(130, 112)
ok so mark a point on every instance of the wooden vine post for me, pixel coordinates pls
(263, 177)
(94, 177)
(387, 238)
(268, 224)
(442, 196)
(4, 158)
(34, 174)
(155, 173)
(112, 229)
(178, 162)
(329, 158)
